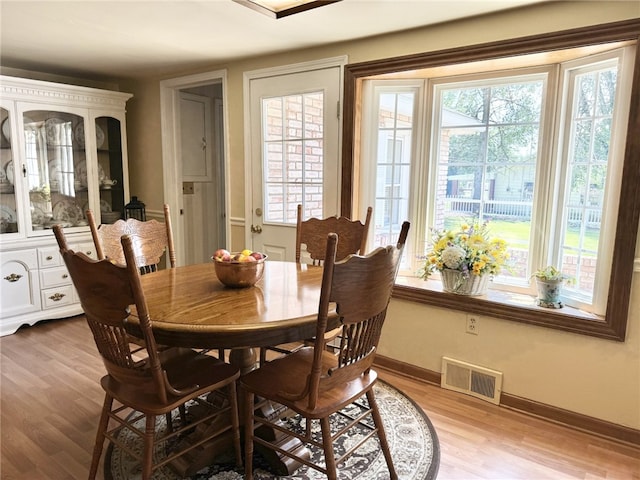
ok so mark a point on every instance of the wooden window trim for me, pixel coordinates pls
(614, 324)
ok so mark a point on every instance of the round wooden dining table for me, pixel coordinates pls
(190, 307)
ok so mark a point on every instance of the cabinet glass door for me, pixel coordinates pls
(8, 206)
(111, 176)
(56, 169)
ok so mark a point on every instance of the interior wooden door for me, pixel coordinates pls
(199, 198)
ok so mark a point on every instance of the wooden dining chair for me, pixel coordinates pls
(200, 387)
(151, 239)
(313, 234)
(317, 384)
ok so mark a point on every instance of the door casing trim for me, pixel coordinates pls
(169, 123)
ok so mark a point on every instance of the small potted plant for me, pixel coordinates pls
(549, 281)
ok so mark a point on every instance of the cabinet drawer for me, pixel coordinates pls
(52, 277)
(49, 257)
(87, 248)
(19, 285)
(28, 258)
(57, 296)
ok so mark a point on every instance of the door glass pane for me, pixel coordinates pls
(8, 207)
(293, 156)
(57, 173)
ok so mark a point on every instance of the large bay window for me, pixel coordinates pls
(536, 145)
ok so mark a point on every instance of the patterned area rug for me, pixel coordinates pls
(412, 439)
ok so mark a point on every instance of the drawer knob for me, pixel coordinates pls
(65, 275)
(56, 297)
(49, 257)
(14, 277)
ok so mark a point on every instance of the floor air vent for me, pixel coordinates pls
(471, 379)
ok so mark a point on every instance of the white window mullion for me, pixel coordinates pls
(544, 240)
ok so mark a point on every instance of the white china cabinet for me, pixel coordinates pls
(62, 151)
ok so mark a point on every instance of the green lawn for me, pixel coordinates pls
(516, 234)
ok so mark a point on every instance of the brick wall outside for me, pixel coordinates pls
(294, 156)
(585, 281)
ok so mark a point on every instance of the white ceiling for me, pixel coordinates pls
(122, 38)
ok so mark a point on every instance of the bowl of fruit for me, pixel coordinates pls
(238, 270)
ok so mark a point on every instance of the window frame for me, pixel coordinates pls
(613, 324)
(367, 186)
(547, 74)
(570, 71)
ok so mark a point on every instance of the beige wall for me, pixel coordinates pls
(590, 376)
(144, 143)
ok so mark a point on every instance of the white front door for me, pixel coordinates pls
(294, 125)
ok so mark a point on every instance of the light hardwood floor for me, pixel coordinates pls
(51, 400)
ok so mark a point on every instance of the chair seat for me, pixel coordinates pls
(289, 374)
(184, 371)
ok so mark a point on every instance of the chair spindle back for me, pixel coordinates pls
(107, 291)
(360, 287)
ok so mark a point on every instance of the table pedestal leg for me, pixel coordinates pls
(279, 464)
(243, 358)
(246, 360)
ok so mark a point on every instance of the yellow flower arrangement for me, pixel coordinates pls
(469, 250)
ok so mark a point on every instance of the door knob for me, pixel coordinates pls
(256, 229)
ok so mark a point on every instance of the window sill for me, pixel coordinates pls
(504, 305)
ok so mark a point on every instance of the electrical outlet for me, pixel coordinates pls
(472, 324)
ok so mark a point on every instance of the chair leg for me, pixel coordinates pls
(235, 422)
(147, 454)
(102, 427)
(247, 415)
(327, 444)
(169, 421)
(382, 436)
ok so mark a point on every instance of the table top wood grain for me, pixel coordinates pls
(189, 306)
